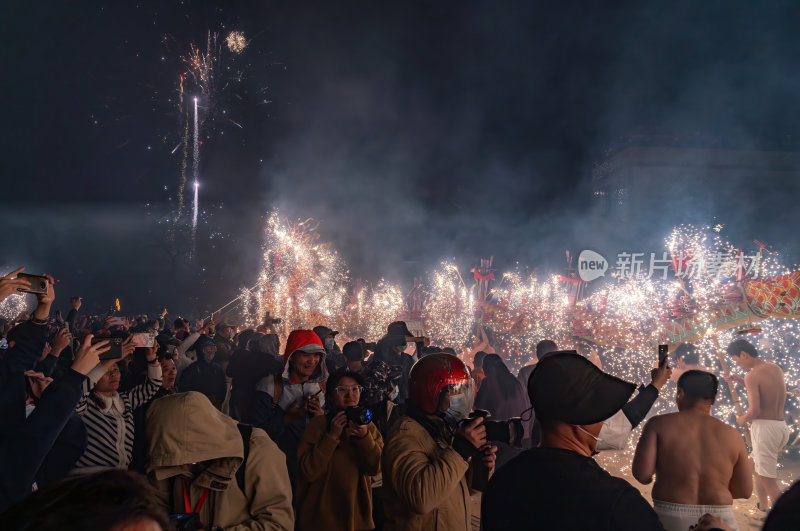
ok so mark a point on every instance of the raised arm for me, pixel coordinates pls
(87, 363)
(143, 392)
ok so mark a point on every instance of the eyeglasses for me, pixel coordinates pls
(342, 389)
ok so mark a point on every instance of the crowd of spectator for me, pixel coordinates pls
(112, 422)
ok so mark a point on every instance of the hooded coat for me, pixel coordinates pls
(267, 413)
(186, 428)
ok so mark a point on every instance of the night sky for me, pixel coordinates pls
(415, 131)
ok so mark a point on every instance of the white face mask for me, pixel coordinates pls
(460, 406)
(614, 433)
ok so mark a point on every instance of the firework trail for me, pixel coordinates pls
(202, 68)
(195, 167)
(184, 113)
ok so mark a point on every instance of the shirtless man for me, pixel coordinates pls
(686, 359)
(700, 462)
(766, 397)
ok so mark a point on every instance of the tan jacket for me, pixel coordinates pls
(333, 488)
(184, 429)
(425, 484)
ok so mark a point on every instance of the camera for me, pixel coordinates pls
(115, 352)
(186, 522)
(38, 284)
(358, 415)
(508, 431)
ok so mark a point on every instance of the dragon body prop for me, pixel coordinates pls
(683, 321)
(777, 296)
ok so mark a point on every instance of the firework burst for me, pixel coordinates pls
(236, 42)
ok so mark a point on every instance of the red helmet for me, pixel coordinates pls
(432, 375)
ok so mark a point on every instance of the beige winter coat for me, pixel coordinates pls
(184, 429)
(425, 483)
(334, 490)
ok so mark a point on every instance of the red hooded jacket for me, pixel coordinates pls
(306, 341)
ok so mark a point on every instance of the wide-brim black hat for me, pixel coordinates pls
(566, 386)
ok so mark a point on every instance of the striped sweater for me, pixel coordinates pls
(110, 428)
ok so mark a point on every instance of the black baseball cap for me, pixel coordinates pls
(323, 331)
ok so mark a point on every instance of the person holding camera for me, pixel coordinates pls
(434, 452)
(337, 455)
(108, 414)
(283, 404)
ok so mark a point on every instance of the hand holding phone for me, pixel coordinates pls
(663, 372)
(115, 350)
(663, 355)
(38, 283)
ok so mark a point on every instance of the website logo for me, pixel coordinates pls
(591, 265)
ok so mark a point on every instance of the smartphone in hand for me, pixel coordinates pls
(115, 352)
(663, 355)
(38, 283)
(144, 339)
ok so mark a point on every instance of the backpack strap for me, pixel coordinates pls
(277, 389)
(246, 431)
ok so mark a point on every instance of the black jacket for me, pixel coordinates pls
(24, 443)
(384, 352)
(206, 378)
(246, 368)
(552, 488)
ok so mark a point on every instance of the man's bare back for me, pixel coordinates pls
(766, 391)
(697, 459)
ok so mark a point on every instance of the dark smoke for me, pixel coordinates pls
(414, 131)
